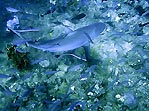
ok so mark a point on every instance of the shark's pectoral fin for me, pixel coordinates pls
(87, 52)
(90, 60)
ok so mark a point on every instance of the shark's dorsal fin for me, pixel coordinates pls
(88, 36)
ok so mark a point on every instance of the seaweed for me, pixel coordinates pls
(20, 60)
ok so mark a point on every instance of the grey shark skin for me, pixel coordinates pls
(72, 40)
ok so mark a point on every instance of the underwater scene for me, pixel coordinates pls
(74, 55)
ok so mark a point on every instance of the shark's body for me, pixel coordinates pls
(72, 40)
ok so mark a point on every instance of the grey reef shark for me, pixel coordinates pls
(80, 37)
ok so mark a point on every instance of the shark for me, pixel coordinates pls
(80, 37)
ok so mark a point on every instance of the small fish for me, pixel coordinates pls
(41, 88)
(1, 52)
(46, 101)
(92, 68)
(1, 88)
(83, 2)
(29, 16)
(84, 76)
(34, 62)
(79, 16)
(78, 103)
(28, 30)
(6, 91)
(144, 24)
(18, 50)
(95, 106)
(13, 10)
(61, 9)
(24, 14)
(51, 72)
(15, 32)
(55, 106)
(4, 76)
(146, 14)
(27, 93)
(57, 22)
(15, 104)
(65, 2)
(139, 9)
(90, 88)
(130, 100)
(51, 10)
(75, 68)
(103, 0)
(26, 76)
